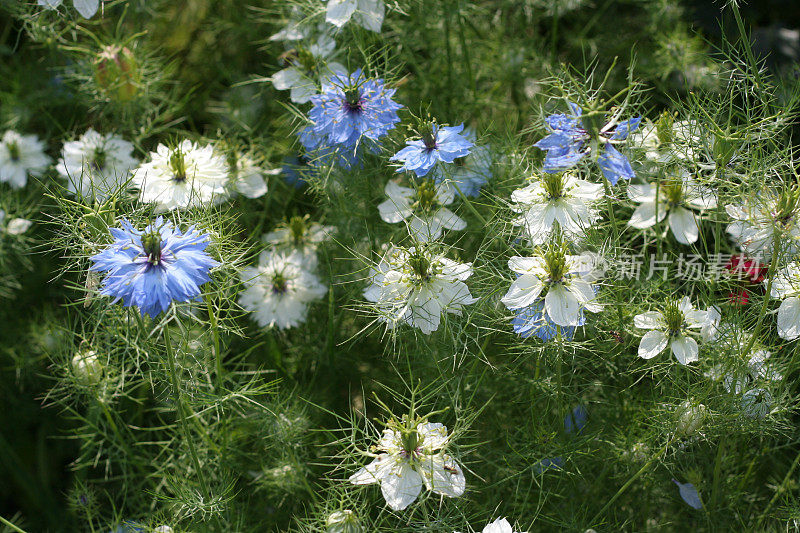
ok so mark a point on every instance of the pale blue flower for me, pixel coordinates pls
(469, 173)
(439, 143)
(568, 143)
(532, 320)
(351, 107)
(152, 268)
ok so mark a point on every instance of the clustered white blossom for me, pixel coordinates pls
(422, 208)
(417, 286)
(412, 453)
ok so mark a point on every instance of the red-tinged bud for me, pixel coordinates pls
(117, 73)
(745, 269)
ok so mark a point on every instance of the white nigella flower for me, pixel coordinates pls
(676, 197)
(501, 525)
(563, 281)
(759, 218)
(786, 286)
(280, 289)
(366, 13)
(21, 155)
(670, 327)
(412, 453)
(187, 175)
(710, 328)
(96, 165)
(561, 198)
(668, 141)
(247, 178)
(301, 235)
(422, 208)
(307, 67)
(416, 286)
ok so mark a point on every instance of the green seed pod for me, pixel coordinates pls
(117, 73)
(344, 521)
(87, 368)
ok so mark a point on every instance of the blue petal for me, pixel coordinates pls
(625, 128)
(689, 494)
(575, 420)
(614, 165)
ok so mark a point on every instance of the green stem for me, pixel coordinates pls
(12, 526)
(470, 206)
(778, 492)
(628, 483)
(215, 332)
(776, 245)
(181, 408)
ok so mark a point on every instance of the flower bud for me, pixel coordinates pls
(117, 73)
(87, 368)
(344, 521)
(690, 419)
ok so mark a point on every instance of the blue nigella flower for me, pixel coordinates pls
(532, 320)
(154, 267)
(469, 173)
(320, 154)
(566, 145)
(351, 107)
(438, 143)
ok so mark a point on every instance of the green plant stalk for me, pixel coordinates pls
(181, 408)
(215, 332)
(778, 492)
(776, 248)
(628, 483)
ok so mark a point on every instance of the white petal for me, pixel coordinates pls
(685, 349)
(645, 215)
(251, 185)
(683, 224)
(523, 292)
(401, 486)
(287, 78)
(649, 320)
(443, 475)
(369, 474)
(652, 344)
(340, 11)
(789, 319)
(87, 8)
(370, 14)
(561, 306)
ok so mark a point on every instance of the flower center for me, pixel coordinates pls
(279, 284)
(151, 243)
(420, 266)
(177, 162)
(352, 99)
(553, 185)
(555, 263)
(673, 192)
(297, 225)
(13, 151)
(785, 206)
(410, 441)
(99, 159)
(426, 197)
(428, 134)
(664, 130)
(674, 318)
